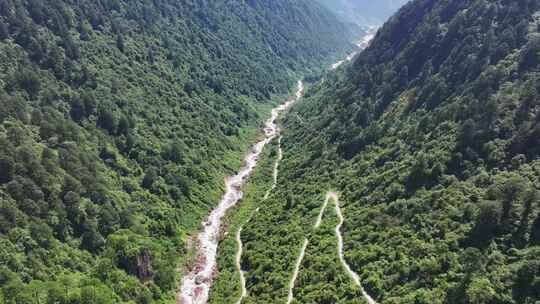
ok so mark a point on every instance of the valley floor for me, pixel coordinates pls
(262, 283)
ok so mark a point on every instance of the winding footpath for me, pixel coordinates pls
(350, 272)
(329, 196)
(275, 173)
(297, 266)
(239, 252)
(195, 286)
(362, 44)
(240, 245)
(302, 254)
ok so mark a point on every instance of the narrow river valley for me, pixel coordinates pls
(196, 284)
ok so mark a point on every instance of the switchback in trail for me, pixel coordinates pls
(302, 254)
(195, 293)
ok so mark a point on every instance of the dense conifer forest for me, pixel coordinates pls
(118, 121)
(431, 136)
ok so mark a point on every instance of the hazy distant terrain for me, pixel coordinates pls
(118, 121)
(364, 12)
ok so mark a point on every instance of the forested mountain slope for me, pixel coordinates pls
(432, 138)
(118, 120)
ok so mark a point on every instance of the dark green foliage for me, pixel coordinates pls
(3, 30)
(118, 120)
(120, 42)
(7, 168)
(25, 79)
(107, 118)
(487, 224)
(150, 177)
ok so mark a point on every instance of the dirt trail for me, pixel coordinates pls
(321, 213)
(297, 270)
(196, 284)
(276, 168)
(350, 272)
(240, 245)
(303, 249)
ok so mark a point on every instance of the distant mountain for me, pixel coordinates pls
(364, 12)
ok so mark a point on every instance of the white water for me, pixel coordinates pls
(350, 272)
(362, 44)
(196, 284)
(303, 249)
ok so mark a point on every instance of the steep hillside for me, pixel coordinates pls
(431, 136)
(118, 120)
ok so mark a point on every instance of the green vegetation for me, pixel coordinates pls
(226, 288)
(118, 121)
(364, 12)
(432, 138)
(322, 278)
(274, 237)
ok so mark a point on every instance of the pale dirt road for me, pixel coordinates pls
(196, 284)
(297, 266)
(302, 254)
(239, 265)
(354, 276)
